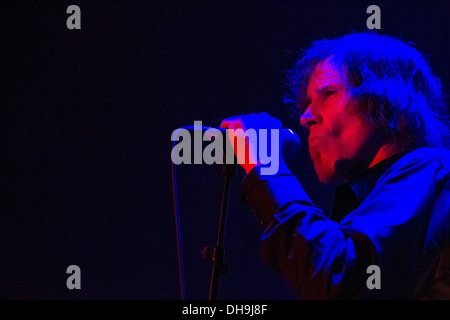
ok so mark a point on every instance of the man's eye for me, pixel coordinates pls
(326, 92)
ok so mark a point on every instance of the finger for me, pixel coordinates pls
(227, 121)
(237, 124)
(232, 123)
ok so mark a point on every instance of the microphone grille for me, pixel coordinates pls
(291, 144)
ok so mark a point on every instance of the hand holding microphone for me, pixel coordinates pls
(259, 139)
(253, 139)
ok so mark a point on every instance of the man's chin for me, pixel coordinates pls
(324, 175)
(326, 179)
(330, 177)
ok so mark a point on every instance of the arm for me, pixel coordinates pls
(322, 259)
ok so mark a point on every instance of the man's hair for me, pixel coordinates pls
(390, 78)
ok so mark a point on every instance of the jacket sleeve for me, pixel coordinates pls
(323, 259)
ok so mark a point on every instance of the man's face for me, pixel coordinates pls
(341, 141)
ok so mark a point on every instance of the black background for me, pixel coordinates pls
(86, 120)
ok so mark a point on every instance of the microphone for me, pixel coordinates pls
(289, 140)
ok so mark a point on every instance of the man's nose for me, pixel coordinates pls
(308, 119)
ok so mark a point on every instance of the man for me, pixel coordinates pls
(371, 106)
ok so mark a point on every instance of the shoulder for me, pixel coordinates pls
(437, 156)
(433, 163)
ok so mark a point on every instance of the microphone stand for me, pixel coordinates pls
(216, 254)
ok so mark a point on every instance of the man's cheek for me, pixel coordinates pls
(349, 133)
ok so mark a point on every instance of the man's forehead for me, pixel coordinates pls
(325, 73)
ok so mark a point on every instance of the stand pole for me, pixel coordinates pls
(216, 253)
